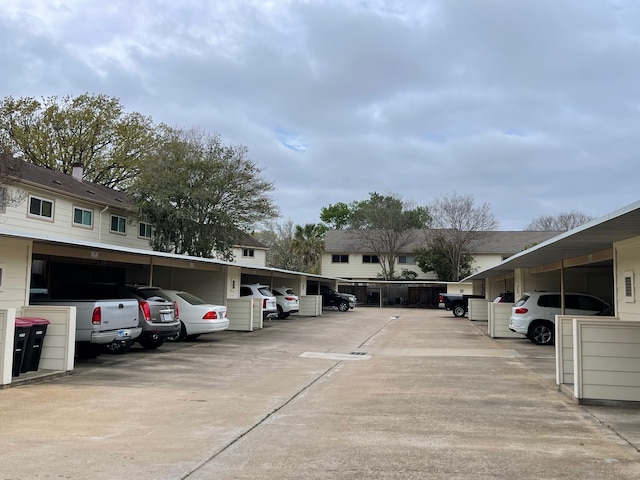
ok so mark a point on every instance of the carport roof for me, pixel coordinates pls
(36, 237)
(597, 235)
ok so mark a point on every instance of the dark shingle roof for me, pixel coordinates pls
(499, 242)
(61, 183)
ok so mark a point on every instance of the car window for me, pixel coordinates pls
(522, 300)
(549, 301)
(584, 302)
(245, 292)
(146, 293)
(265, 291)
(191, 299)
(289, 291)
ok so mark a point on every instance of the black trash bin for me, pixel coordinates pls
(20, 337)
(33, 346)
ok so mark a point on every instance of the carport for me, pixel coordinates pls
(597, 358)
(31, 257)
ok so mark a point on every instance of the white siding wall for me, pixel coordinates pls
(311, 305)
(484, 260)
(15, 263)
(627, 261)
(7, 331)
(259, 257)
(16, 217)
(356, 268)
(606, 360)
(499, 315)
(478, 309)
(240, 312)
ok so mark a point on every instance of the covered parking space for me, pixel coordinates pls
(31, 263)
(597, 358)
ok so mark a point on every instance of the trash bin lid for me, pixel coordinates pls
(23, 322)
(35, 320)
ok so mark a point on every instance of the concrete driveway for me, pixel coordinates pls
(370, 393)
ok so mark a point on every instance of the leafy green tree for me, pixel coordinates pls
(200, 195)
(92, 130)
(338, 215)
(440, 258)
(384, 224)
(308, 242)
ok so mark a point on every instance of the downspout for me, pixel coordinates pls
(100, 224)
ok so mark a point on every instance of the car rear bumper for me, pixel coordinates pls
(206, 326)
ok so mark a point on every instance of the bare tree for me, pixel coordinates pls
(279, 237)
(457, 221)
(10, 174)
(560, 222)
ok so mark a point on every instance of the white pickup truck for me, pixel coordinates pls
(101, 316)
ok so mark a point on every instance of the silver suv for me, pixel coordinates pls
(534, 315)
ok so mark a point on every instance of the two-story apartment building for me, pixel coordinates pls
(347, 256)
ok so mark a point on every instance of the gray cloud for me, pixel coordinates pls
(531, 107)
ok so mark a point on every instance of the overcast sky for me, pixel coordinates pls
(530, 106)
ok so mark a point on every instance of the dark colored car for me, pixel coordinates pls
(505, 297)
(331, 298)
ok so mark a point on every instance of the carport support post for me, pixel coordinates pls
(150, 271)
(562, 287)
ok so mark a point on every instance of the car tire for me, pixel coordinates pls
(541, 332)
(458, 311)
(343, 306)
(118, 347)
(179, 337)
(151, 343)
(281, 313)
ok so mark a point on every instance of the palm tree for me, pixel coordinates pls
(308, 241)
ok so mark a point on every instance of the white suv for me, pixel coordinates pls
(287, 300)
(255, 290)
(534, 315)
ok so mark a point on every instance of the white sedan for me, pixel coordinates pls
(196, 316)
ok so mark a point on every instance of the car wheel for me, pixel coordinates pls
(151, 343)
(343, 306)
(281, 313)
(180, 336)
(541, 333)
(118, 347)
(458, 311)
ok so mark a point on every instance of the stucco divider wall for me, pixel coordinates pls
(58, 347)
(7, 331)
(478, 309)
(606, 355)
(311, 305)
(499, 315)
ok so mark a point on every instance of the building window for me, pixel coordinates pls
(82, 217)
(406, 260)
(370, 259)
(339, 258)
(118, 224)
(144, 230)
(3, 199)
(248, 252)
(40, 207)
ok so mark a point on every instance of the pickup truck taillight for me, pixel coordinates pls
(210, 316)
(146, 311)
(521, 310)
(264, 303)
(96, 316)
(441, 299)
(177, 312)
